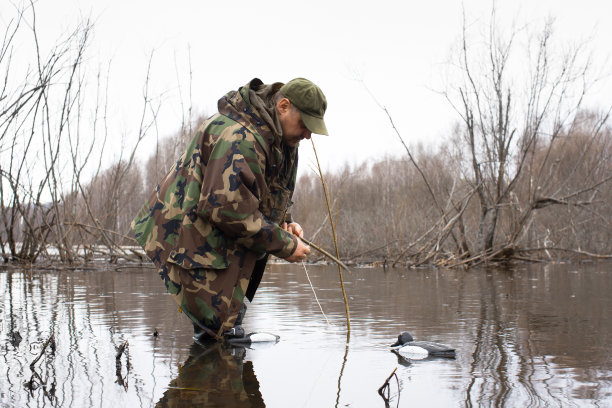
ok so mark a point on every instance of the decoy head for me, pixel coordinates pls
(402, 339)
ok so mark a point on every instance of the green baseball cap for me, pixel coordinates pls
(309, 100)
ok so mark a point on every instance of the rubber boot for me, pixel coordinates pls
(237, 330)
(240, 316)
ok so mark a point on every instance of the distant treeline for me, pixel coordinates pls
(558, 208)
(526, 173)
(384, 211)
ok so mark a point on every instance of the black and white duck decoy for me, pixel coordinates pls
(418, 350)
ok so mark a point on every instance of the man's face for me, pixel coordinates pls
(294, 129)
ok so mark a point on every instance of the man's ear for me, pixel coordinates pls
(283, 106)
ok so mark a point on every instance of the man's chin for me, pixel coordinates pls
(293, 142)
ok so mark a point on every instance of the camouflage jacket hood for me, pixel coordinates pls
(252, 107)
(227, 194)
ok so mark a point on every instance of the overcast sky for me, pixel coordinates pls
(399, 49)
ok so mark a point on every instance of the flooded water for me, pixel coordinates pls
(530, 336)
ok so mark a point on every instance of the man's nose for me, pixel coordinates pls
(307, 134)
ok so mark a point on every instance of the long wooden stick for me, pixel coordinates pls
(331, 222)
(327, 254)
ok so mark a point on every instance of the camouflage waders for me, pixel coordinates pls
(212, 298)
(215, 376)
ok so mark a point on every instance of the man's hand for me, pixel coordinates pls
(293, 228)
(302, 250)
(300, 253)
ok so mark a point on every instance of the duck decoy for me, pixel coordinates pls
(253, 338)
(419, 350)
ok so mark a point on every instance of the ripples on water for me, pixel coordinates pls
(530, 336)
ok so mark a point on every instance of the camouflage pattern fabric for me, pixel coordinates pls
(216, 376)
(218, 210)
(211, 298)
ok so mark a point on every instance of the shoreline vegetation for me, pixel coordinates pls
(525, 175)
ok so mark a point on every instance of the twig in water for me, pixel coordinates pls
(36, 378)
(120, 350)
(386, 388)
(50, 341)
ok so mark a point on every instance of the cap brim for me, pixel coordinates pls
(315, 125)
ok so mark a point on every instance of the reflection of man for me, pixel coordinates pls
(214, 377)
(212, 221)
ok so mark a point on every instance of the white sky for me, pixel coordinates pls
(399, 49)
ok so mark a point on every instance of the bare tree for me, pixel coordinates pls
(503, 127)
(32, 127)
(48, 143)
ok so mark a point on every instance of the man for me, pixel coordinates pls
(212, 221)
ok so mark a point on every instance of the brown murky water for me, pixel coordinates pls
(531, 336)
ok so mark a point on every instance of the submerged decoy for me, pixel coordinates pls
(419, 350)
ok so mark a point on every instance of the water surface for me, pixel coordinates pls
(535, 335)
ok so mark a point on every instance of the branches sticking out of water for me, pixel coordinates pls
(522, 168)
(122, 349)
(50, 342)
(333, 228)
(385, 390)
(36, 380)
(47, 149)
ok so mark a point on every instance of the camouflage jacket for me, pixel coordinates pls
(225, 196)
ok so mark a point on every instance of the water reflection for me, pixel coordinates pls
(533, 335)
(214, 375)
